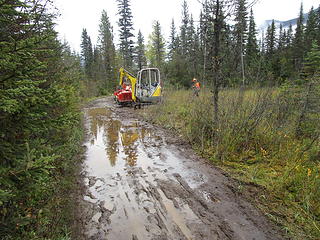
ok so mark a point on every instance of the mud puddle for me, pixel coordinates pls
(139, 186)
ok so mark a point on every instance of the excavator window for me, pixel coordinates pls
(148, 80)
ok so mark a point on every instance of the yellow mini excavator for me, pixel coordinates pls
(140, 90)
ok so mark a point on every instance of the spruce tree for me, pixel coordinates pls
(311, 30)
(298, 42)
(240, 33)
(252, 49)
(172, 43)
(174, 69)
(184, 28)
(311, 67)
(38, 104)
(270, 50)
(191, 49)
(270, 40)
(156, 48)
(283, 65)
(308, 119)
(205, 40)
(281, 38)
(97, 73)
(126, 33)
(86, 53)
(289, 36)
(140, 57)
(107, 51)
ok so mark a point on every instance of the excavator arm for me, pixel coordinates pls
(132, 79)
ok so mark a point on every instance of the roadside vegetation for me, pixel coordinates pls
(256, 141)
(40, 131)
(258, 114)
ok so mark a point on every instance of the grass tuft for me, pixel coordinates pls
(256, 141)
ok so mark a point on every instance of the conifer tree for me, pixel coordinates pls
(126, 35)
(184, 28)
(311, 30)
(318, 24)
(86, 53)
(174, 68)
(281, 38)
(191, 49)
(298, 41)
(270, 50)
(308, 119)
(282, 66)
(311, 67)
(271, 40)
(107, 52)
(252, 49)
(205, 39)
(140, 57)
(97, 72)
(156, 48)
(38, 104)
(172, 43)
(240, 32)
(289, 36)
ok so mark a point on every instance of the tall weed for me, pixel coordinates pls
(256, 141)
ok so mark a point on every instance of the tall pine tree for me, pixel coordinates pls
(125, 33)
(270, 43)
(172, 43)
(311, 30)
(140, 55)
(240, 33)
(298, 41)
(86, 53)
(184, 28)
(252, 49)
(107, 51)
(156, 46)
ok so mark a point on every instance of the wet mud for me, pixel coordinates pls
(139, 182)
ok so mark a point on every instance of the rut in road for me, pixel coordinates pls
(142, 183)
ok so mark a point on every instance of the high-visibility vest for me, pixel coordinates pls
(197, 85)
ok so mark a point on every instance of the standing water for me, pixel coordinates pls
(143, 184)
(124, 162)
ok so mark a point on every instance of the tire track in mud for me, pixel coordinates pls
(142, 183)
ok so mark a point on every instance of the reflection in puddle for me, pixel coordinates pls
(109, 134)
(125, 159)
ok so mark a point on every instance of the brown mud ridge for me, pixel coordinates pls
(142, 183)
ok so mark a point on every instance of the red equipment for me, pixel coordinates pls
(123, 95)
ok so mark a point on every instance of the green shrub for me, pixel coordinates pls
(256, 140)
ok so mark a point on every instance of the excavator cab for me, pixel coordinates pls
(148, 89)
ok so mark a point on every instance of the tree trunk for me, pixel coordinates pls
(216, 62)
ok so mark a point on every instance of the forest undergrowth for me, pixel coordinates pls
(262, 140)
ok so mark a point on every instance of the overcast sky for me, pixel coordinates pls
(79, 14)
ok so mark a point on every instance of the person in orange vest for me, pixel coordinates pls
(196, 87)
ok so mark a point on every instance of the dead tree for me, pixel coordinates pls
(219, 11)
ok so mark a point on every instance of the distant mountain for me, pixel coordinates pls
(285, 24)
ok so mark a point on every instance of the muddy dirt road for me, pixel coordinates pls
(141, 183)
